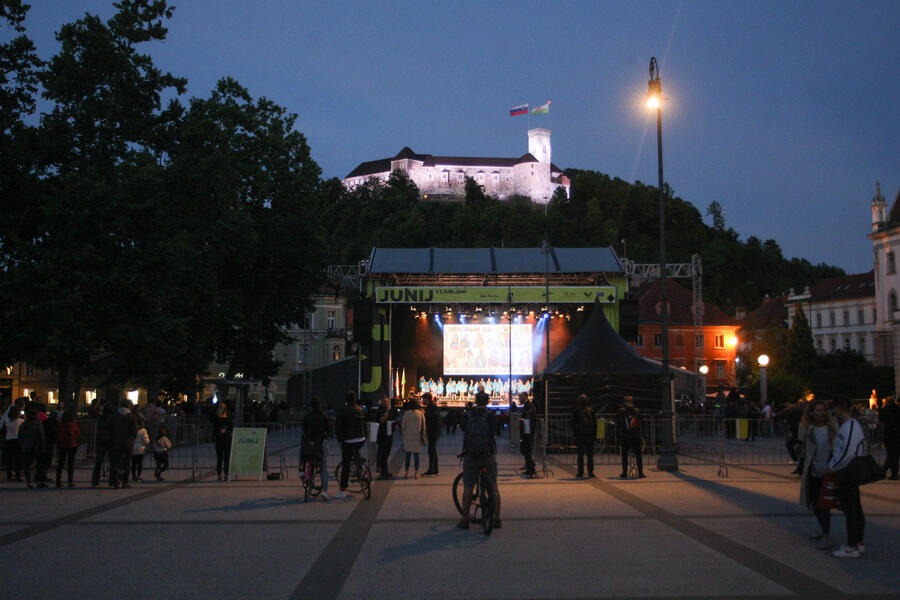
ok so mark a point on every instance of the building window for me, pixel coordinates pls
(698, 341)
(307, 322)
(460, 177)
(819, 344)
(719, 341)
(720, 369)
(640, 340)
(495, 177)
(831, 318)
(892, 303)
(336, 353)
(818, 320)
(679, 340)
(891, 263)
(862, 345)
(846, 317)
(445, 176)
(861, 316)
(833, 344)
(874, 315)
(332, 318)
(657, 340)
(481, 178)
(846, 343)
(29, 370)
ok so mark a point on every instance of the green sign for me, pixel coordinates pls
(248, 449)
(494, 295)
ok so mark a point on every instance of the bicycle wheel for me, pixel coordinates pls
(457, 498)
(486, 501)
(365, 479)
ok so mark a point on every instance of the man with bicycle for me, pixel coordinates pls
(479, 451)
(316, 431)
(350, 429)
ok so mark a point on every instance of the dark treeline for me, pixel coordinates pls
(602, 211)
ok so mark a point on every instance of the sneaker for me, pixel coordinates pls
(861, 548)
(846, 552)
(343, 495)
(591, 476)
(641, 476)
(463, 524)
(324, 496)
(825, 543)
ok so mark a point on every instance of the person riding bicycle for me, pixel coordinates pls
(316, 431)
(479, 451)
(350, 428)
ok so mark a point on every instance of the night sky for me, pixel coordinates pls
(783, 112)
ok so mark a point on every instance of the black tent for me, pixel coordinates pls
(599, 363)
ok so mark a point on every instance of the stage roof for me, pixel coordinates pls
(492, 260)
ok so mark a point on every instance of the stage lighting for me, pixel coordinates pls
(413, 309)
(423, 315)
(581, 308)
(477, 309)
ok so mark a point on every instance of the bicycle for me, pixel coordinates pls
(360, 479)
(311, 475)
(482, 509)
(607, 437)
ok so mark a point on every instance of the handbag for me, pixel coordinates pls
(828, 497)
(860, 471)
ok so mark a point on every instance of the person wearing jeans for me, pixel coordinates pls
(66, 447)
(848, 444)
(350, 428)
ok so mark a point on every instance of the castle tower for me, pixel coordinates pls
(879, 208)
(539, 144)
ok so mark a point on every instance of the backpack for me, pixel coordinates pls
(478, 438)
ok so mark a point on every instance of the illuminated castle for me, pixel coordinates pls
(444, 177)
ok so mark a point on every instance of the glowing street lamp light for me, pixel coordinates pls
(763, 361)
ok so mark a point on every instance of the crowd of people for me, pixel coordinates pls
(467, 388)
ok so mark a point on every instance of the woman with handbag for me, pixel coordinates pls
(849, 443)
(817, 431)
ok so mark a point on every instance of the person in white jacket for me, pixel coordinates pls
(141, 441)
(849, 443)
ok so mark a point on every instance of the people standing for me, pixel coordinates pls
(12, 458)
(433, 428)
(412, 427)
(49, 423)
(791, 415)
(66, 447)
(818, 431)
(385, 439)
(848, 444)
(103, 439)
(31, 443)
(161, 447)
(584, 428)
(527, 422)
(138, 449)
(223, 427)
(628, 428)
(889, 417)
(317, 430)
(350, 428)
(124, 430)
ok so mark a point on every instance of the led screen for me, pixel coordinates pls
(484, 349)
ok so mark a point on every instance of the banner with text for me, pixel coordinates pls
(493, 295)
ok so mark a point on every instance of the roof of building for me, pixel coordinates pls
(772, 311)
(859, 285)
(383, 165)
(681, 303)
(493, 260)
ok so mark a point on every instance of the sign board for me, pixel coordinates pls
(494, 295)
(248, 449)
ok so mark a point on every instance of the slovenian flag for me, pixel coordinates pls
(543, 109)
(519, 110)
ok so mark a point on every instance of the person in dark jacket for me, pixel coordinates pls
(792, 415)
(527, 423)
(49, 423)
(123, 430)
(31, 442)
(584, 428)
(350, 429)
(222, 429)
(386, 424)
(628, 429)
(432, 432)
(889, 417)
(102, 441)
(317, 430)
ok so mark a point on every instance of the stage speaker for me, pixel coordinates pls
(628, 318)
(362, 322)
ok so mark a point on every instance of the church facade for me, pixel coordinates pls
(885, 238)
(444, 177)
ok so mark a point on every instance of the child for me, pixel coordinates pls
(161, 452)
(141, 441)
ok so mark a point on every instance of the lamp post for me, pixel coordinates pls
(763, 361)
(703, 372)
(666, 461)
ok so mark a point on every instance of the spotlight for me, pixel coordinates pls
(413, 309)
(423, 315)
(581, 308)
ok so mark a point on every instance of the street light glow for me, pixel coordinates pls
(732, 341)
(763, 360)
(653, 102)
(704, 369)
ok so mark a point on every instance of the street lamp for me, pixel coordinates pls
(763, 361)
(704, 370)
(666, 459)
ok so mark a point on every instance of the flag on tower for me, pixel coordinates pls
(543, 109)
(519, 110)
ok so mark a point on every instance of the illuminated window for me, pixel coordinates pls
(719, 340)
(332, 317)
(657, 340)
(698, 341)
(336, 353)
(132, 395)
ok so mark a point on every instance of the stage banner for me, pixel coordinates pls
(248, 448)
(494, 295)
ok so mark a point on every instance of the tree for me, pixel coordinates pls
(717, 213)
(801, 352)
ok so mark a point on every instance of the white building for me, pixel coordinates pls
(885, 238)
(841, 313)
(438, 177)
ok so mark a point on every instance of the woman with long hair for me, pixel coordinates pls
(817, 430)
